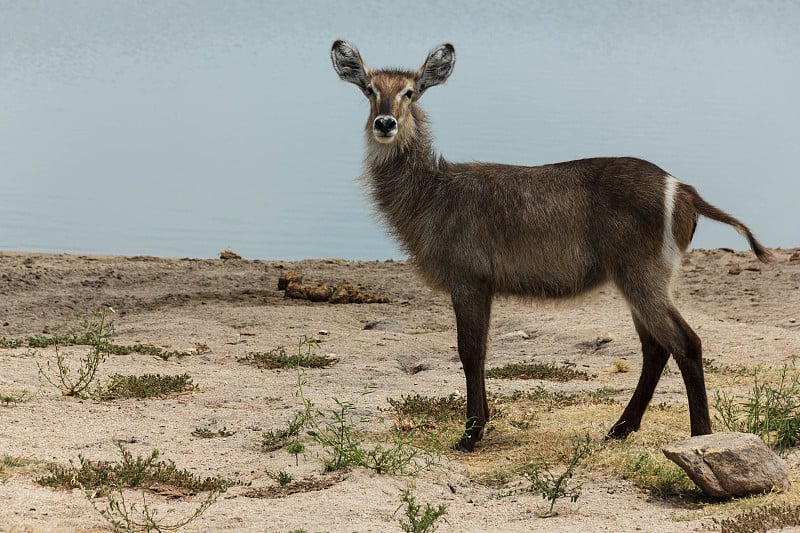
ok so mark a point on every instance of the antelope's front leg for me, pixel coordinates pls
(472, 305)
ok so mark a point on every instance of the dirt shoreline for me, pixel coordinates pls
(745, 312)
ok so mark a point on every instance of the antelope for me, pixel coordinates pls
(478, 230)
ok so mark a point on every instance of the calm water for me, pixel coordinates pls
(182, 128)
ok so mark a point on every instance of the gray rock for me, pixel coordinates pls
(730, 464)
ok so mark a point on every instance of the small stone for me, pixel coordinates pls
(795, 257)
(735, 271)
(605, 338)
(730, 464)
(518, 334)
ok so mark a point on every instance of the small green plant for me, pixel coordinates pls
(108, 480)
(761, 519)
(425, 412)
(209, 432)
(280, 358)
(129, 518)
(11, 461)
(415, 519)
(87, 335)
(337, 432)
(274, 439)
(14, 397)
(97, 330)
(547, 371)
(281, 478)
(770, 411)
(130, 472)
(161, 353)
(658, 476)
(428, 422)
(710, 367)
(296, 448)
(10, 464)
(5, 342)
(551, 485)
(557, 400)
(144, 386)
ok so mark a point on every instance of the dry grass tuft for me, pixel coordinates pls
(620, 366)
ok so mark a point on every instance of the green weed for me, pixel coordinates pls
(274, 439)
(280, 358)
(658, 476)
(555, 400)
(281, 478)
(551, 485)
(210, 433)
(129, 518)
(296, 448)
(415, 519)
(425, 412)
(10, 465)
(129, 472)
(534, 370)
(770, 411)
(97, 330)
(5, 342)
(429, 421)
(14, 397)
(336, 431)
(144, 386)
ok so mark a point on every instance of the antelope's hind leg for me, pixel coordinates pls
(654, 359)
(689, 356)
(663, 331)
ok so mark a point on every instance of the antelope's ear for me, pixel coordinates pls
(437, 67)
(348, 64)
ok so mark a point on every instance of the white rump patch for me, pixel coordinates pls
(670, 247)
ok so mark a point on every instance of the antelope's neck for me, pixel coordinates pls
(403, 178)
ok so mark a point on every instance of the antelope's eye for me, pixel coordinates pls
(409, 94)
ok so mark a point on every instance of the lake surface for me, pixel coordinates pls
(181, 128)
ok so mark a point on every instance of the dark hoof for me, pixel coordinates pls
(465, 445)
(619, 432)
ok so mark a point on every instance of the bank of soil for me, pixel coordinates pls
(745, 312)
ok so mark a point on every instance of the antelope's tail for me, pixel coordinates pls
(714, 213)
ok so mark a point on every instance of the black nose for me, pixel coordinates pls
(385, 124)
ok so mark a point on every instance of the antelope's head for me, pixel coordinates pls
(392, 93)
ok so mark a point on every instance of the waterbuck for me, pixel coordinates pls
(477, 230)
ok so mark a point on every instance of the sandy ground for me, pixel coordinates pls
(234, 307)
